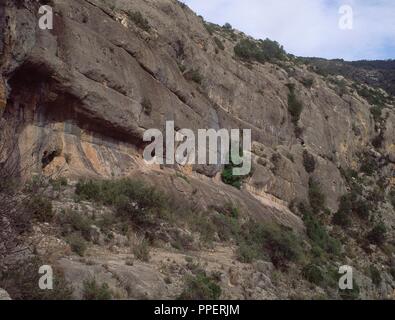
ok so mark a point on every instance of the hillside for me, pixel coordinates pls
(76, 193)
(375, 73)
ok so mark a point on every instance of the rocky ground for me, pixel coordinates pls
(76, 100)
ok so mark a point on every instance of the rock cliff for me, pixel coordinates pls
(80, 96)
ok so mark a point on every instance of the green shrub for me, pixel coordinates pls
(194, 75)
(378, 141)
(248, 50)
(247, 253)
(308, 162)
(375, 275)
(139, 20)
(378, 234)
(308, 82)
(260, 51)
(276, 160)
(374, 97)
(341, 86)
(349, 203)
(313, 274)
(210, 27)
(342, 216)
(182, 4)
(58, 183)
(316, 198)
(228, 26)
(228, 177)
(342, 219)
(295, 107)
(219, 43)
(227, 228)
(353, 294)
(77, 243)
(142, 251)
(204, 225)
(376, 111)
(40, 208)
(132, 199)
(272, 49)
(72, 222)
(201, 287)
(279, 243)
(349, 174)
(89, 190)
(317, 233)
(93, 291)
(369, 165)
(362, 208)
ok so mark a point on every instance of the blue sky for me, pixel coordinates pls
(311, 27)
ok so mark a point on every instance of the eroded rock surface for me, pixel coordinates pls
(78, 99)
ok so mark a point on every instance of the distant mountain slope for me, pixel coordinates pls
(376, 73)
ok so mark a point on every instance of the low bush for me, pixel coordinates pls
(227, 174)
(369, 165)
(93, 291)
(72, 221)
(313, 274)
(201, 287)
(308, 82)
(40, 208)
(260, 51)
(247, 253)
(133, 200)
(228, 177)
(295, 107)
(142, 251)
(227, 26)
(194, 75)
(376, 112)
(378, 234)
(219, 43)
(308, 162)
(342, 216)
(276, 159)
(375, 275)
(58, 183)
(342, 219)
(374, 97)
(77, 243)
(227, 228)
(279, 243)
(139, 20)
(210, 27)
(351, 294)
(316, 197)
(320, 239)
(362, 208)
(378, 141)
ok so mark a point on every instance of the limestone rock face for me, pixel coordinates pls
(77, 100)
(83, 94)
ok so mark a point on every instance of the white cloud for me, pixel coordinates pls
(310, 27)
